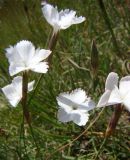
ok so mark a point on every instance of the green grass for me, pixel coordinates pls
(71, 68)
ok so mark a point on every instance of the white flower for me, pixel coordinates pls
(13, 91)
(74, 107)
(23, 56)
(113, 94)
(60, 20)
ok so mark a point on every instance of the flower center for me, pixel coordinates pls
(74, 107)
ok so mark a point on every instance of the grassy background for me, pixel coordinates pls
(71, 68)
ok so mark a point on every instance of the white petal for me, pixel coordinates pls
(126, 101)
(63, 116)
(124, 85)
(30, 86)
(17, 83)
(51, 14)
(9, 50)
(20, 56)
(79, 118)
(14, 102)
(23, 56)
(41, 67)
(66, 12)
(13, 91)
(78, 20)
(66, 18)
(43, 54)
(75, 99)
(78, 96)
(104, 99)
(115, 97)
(17, 80)
(65, 103)
(87, 105)
(26, 50)
(11, 95)
(14, 69)
(126, 78)
(111, 81)
(12, 55)
(40, 56)
(74, 106)
(9, 53)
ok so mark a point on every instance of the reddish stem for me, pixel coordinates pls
(114, 120)
(24, 97)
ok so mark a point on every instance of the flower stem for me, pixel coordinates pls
(24, 97)
(114, 120)
(25, 107)
(52, 44)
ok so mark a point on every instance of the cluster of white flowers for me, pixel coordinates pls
(23, 57)
(73, 106)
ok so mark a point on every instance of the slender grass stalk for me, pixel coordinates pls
(21, 136)
(108, 23)
(35, 89)
(114, 120)
(22, 139)
(35, 141)
(104, 141)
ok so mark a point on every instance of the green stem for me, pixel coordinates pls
(35, 141)
(104, 141)
(21, 136)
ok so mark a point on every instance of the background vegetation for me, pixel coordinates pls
(75, 64)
